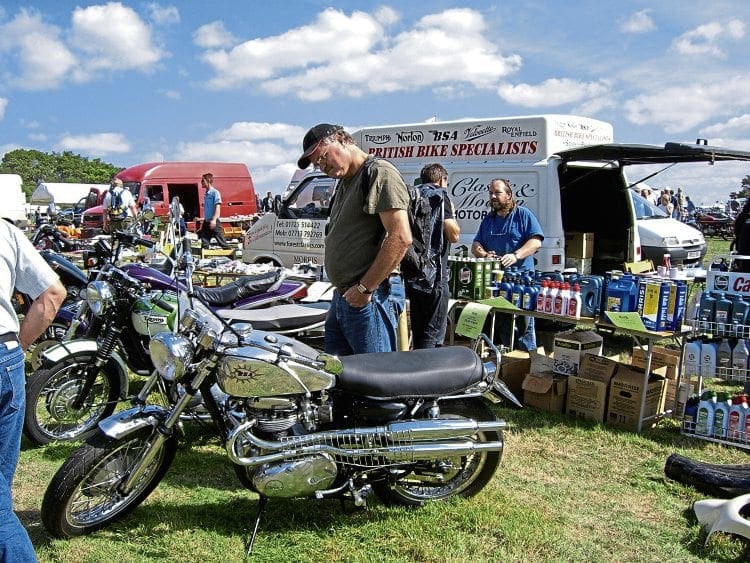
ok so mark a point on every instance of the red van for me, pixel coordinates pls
(161, 181)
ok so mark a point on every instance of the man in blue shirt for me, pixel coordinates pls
(211, 227)
(512, 234)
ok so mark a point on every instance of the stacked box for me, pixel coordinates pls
(588, 391)
(579, 245)
(514, 367)
(545, 391)
(666, 362)
(570, 346)
(625, 395)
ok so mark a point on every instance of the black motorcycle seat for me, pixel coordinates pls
(243, 287)
(421, 373)
(279, 318)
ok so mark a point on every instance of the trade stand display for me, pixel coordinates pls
(649, 308)
(719, 349)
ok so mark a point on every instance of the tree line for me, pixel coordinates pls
(36, 166)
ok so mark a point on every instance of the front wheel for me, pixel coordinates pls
(50, 394)
(440, 479)
(85, 493)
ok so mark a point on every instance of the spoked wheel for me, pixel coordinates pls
(50, 395)
(85, 493)
(51, 337)
(447, 477)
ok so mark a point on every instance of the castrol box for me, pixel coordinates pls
(570, 346)
(588, 391)
(734, 283)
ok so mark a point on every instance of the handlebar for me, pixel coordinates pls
(133, 239)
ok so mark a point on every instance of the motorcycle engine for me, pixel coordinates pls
(295, 478)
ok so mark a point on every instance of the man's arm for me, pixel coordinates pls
(394, 247)
(450, 225)
(452, 230)
(41, 313)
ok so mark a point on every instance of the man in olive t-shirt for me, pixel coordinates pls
(368, 234)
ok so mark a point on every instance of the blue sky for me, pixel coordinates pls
(131, 82)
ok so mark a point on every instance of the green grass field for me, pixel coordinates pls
(566, 491)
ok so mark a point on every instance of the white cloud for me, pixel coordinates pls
(3, 105)
(40, 60)
(639, 22)
(171, 94)
(38, 137)
(164, 15)
(270, 151)
(706, 38)
(96, 144)
(213, 36)
(125, 46)
(552, 92)
(354, 55)
(253, 131)
(739, 124)
(680, 107)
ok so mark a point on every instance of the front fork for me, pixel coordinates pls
(90, 370)
(164, 430)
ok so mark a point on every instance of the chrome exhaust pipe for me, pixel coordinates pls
(405, 441)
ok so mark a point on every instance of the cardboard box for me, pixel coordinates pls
(588, 391)
(514, 367)
(625, 395)
(570, 346)
(665, 362)
(579, 245)
(545, 391)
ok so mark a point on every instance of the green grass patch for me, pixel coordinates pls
(566, 490)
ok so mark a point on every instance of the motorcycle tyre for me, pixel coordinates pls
(37, 382)
(98, 450)
(391, 492)
(52, 336)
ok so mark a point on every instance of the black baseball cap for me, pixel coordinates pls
(313, 138)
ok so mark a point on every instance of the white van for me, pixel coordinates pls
(564, 168)
(13, 202)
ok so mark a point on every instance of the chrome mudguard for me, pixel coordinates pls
(127, 422)
(84, 347)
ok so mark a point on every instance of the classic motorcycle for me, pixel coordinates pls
(410, 427)
(48, 237)
(80, 380)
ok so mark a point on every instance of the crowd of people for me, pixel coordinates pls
(677, 204)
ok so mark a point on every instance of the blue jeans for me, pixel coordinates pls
(15, 544)
(525, 334)
(372, 328)
(429, 316)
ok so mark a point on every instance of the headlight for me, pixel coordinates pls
(171, 354)
(670, 241)
(99, 295)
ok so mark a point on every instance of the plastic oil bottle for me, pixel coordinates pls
(708, 359)
(721, 415)
(740, 355)
(574, 303)
(724, 358)
(704, 419)
(737, 417)
(723, 314)
(692, 365)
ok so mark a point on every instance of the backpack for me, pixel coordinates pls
(116, 207)
(421, 266)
